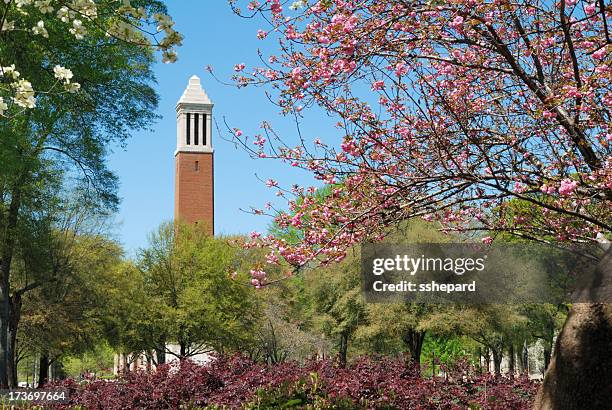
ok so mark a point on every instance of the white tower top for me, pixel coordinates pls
(194, 119)
(194, 93)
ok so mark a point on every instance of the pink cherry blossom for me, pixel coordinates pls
(276, 7)
(401, 69)
(567, 187)
(271, 183)
(457, 22)
(599, 54)
(590, 8)
(445, 112)
(378, 85)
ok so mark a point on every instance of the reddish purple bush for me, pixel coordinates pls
(236, 382)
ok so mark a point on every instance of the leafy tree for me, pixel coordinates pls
(96, 361)
(63, 315)
(64, 141)
(338, 305)
(186, 275)
(444, 352)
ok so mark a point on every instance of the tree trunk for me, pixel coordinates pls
(183, 345)
(4, 318)
(126, 363)
(580, 372)
(511, 362)
(547, 357)
(15, 317)
(522, 358)
(43, 370)
(413, 340)
(497, 359)
(343, 350)
(160, 356)
(6, 258)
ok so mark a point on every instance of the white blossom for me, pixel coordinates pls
(72, 87)
(77, 29)
(9, 72)
(8, 26)
(86, 7)
(3, 106)
(44, 6)
(169, 56)
(24, 94)
(62, 73)
(65, 14)
(163, 21)
(21, 3)
(296, 5)
(39, 29)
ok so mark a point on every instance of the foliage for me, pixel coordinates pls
(98, 360)
(180, 292)
(446, 112)
(41, 23)
(440, 352)
(65, 312)
(61, 145)
(237, 382)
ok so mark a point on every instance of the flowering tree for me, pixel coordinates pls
(119, 19)
(482, 115)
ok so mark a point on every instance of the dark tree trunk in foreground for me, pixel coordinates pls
(547, 357)
(6, 258)
(413, 340)
(15, 317)
(580, 373)
(43, 370)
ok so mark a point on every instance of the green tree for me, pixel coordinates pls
(64, 315)
(68, 135)
(338, 305)
(187, 274)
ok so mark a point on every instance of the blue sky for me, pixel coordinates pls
(213, 36)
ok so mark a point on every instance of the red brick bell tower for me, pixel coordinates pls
(194, 183)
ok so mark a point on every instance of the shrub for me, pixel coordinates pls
(237, 382)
